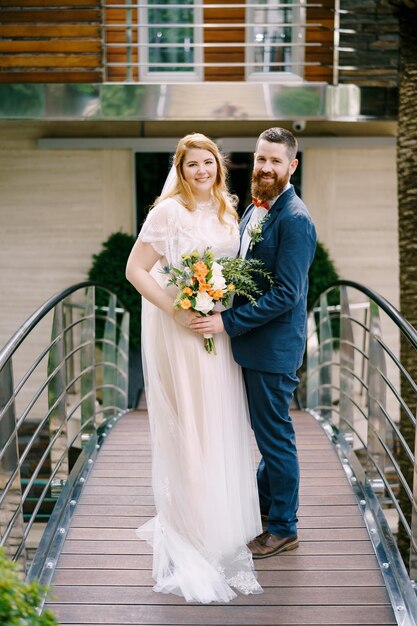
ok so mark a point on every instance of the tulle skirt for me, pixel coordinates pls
(203, 470)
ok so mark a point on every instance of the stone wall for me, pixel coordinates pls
(375, 41)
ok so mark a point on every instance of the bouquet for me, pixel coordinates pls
(203, 281)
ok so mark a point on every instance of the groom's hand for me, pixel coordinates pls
(211, 324)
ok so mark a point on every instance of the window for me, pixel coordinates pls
(275, 35)
(169, 40)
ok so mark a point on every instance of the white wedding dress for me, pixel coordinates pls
(203, 471)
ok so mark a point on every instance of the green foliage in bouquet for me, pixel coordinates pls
(202, 281)
(242, 274)
(220, 278)
(108, 268)
(19, 601)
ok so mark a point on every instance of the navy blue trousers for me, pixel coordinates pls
(269, 397)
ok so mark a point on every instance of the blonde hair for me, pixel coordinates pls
(226, 201)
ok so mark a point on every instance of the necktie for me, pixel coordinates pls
(262, 203)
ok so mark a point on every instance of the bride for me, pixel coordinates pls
(203, 477)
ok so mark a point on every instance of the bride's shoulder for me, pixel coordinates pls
(164, 210)
(168, 206)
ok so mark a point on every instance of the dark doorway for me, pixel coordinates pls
(152, 168)
(240, 170)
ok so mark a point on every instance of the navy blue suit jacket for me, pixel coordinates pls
(270, 337)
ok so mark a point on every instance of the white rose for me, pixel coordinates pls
(217, 281)
(203, 302)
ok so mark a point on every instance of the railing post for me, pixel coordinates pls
(312, 393)
(336, 42)
(109, 354)
(326, 352)
(123, 362)
(57, 398)
(129, 41)
(87, 361)
(376, 403)
(413, 553)
(67, 312)
(347, 367)
(11, 531)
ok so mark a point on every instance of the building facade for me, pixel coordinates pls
(95, 94)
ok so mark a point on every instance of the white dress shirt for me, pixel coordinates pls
(258, 214)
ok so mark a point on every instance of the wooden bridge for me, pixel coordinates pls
(103, 575)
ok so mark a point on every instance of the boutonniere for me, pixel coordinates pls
(255, 233)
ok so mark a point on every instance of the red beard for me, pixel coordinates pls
(268, 190)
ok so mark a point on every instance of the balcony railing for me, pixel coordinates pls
(335, 59)
(222, 41)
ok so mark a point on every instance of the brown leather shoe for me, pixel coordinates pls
(266, 544)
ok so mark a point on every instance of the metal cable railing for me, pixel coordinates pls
(71, 358)
(357, 385)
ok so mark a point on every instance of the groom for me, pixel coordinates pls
(268, 340)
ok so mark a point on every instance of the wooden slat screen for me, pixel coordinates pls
(323, 34)
(115, 19)
(224, 35)
(61, 41)
(50, 41)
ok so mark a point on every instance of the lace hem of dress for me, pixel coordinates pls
(245, 582)
(197, 576)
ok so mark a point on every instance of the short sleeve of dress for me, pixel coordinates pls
(156, 226)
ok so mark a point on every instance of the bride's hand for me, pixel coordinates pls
(184, 317)
(211, 324)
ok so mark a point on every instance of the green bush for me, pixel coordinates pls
(19, 601)
(108, 268)
(322, 274)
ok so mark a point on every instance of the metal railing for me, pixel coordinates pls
(366, 398)
(179, 41)
(51, 419)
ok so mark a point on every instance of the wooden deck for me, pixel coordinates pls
(104, 573)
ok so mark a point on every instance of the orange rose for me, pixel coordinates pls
(200, 269)
(230, 287)
(188, 291)
(216, 295)
(186, 303)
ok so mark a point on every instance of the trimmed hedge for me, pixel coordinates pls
(322, 274)
(108, 268)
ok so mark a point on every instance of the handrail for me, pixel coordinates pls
(409, 331)
(67, 395)
(358, 388)
(16, 339)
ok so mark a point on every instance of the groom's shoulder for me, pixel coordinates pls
(295, 207)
